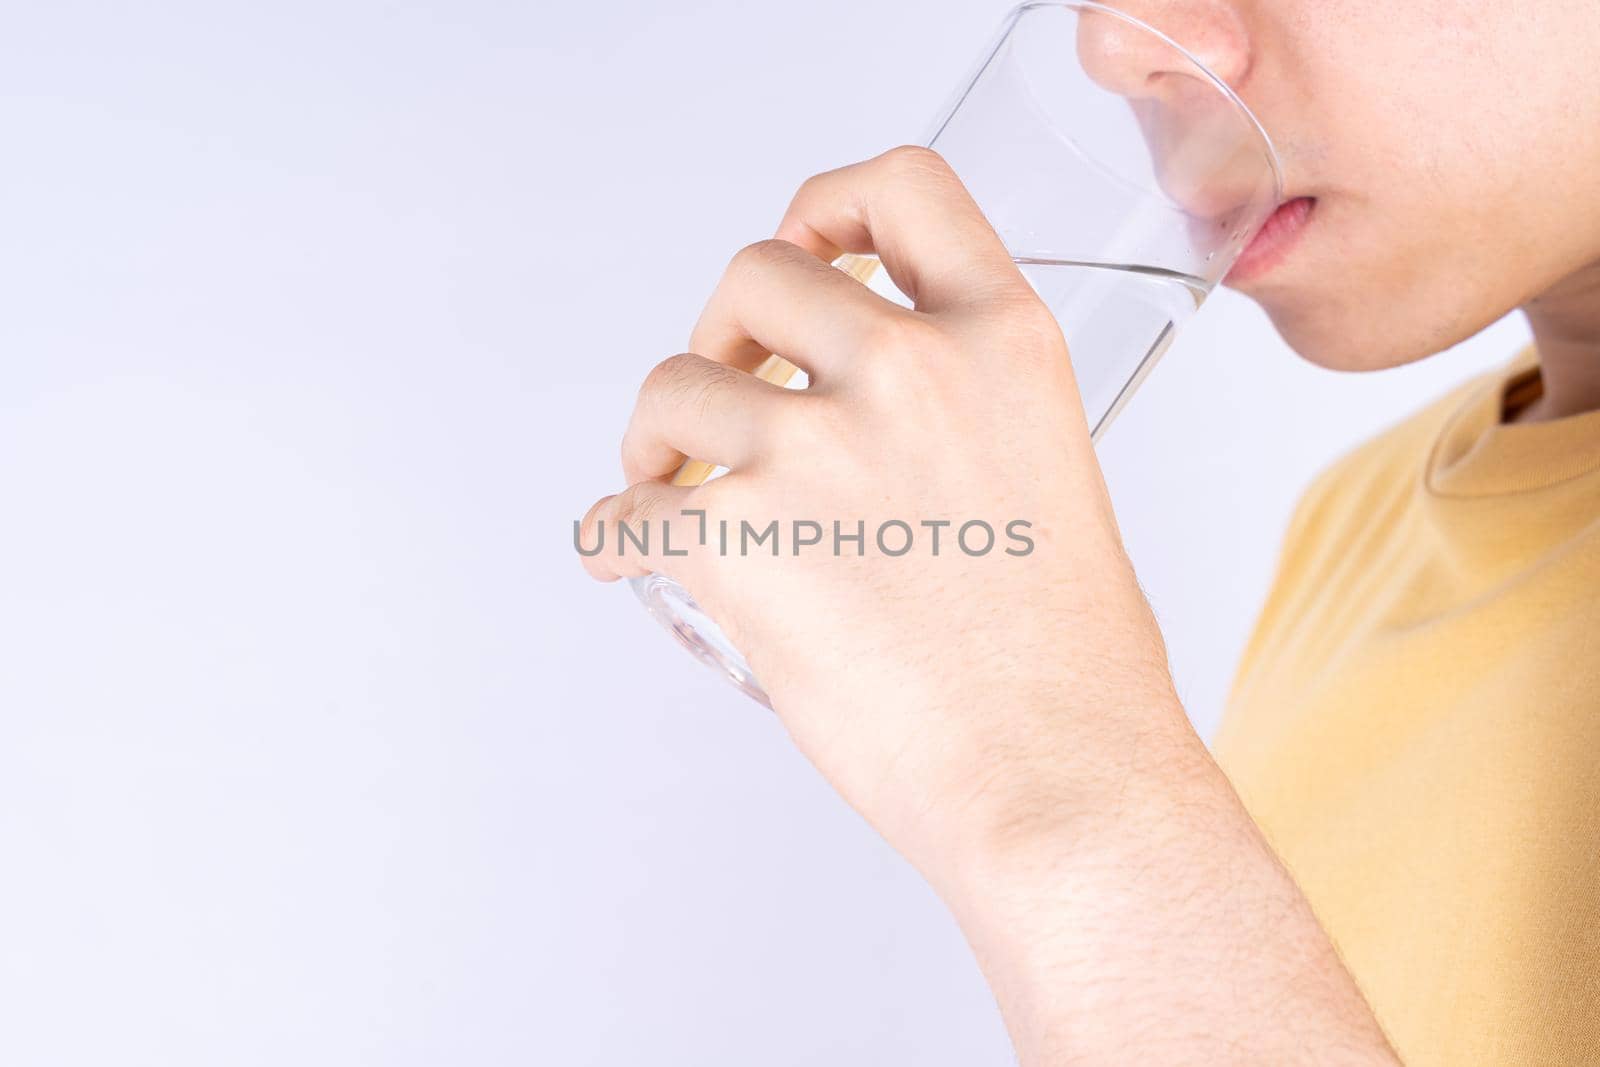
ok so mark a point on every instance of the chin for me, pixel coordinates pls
(1363, 332)
(1332, 344)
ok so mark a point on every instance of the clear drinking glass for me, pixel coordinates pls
(1124, 177)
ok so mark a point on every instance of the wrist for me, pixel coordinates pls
(1094, 778)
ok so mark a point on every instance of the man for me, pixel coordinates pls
(1415, 729)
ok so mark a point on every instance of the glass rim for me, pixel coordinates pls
(1217, 83)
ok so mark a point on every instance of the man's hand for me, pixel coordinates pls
(923, 686)
(1007, 721)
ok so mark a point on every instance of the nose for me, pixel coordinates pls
(1204, 152)
(1129, 62)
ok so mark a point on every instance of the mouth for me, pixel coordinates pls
(1273, 241)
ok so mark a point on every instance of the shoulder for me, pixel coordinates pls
(1350, 511)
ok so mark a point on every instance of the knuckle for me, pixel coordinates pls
(902, 335)
(885, 374)
(760, 255)
(905, 359)
(915, 159)
(632, 506)
(691, 383)
(669, 377)
(701, 393)
(811, 185)
(895, 346)
(1033, 324)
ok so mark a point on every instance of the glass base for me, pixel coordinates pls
(673, 607)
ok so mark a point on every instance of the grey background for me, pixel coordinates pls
(318, 325)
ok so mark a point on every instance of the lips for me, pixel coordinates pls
(1273, 241)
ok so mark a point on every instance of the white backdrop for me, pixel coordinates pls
(318, 325)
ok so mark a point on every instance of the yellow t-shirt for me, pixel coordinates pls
(1416, 725)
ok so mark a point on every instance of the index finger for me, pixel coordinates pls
(909, 208)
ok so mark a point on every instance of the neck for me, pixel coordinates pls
(1566, 330)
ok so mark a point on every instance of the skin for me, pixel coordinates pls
(1024, 747)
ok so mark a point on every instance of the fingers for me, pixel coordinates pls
(783, 297)
(778, 298)
(909, 207)
(693, 406)
(639, 530)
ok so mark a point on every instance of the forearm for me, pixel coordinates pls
(1138, 916)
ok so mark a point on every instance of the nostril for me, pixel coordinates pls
(1118, 55)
